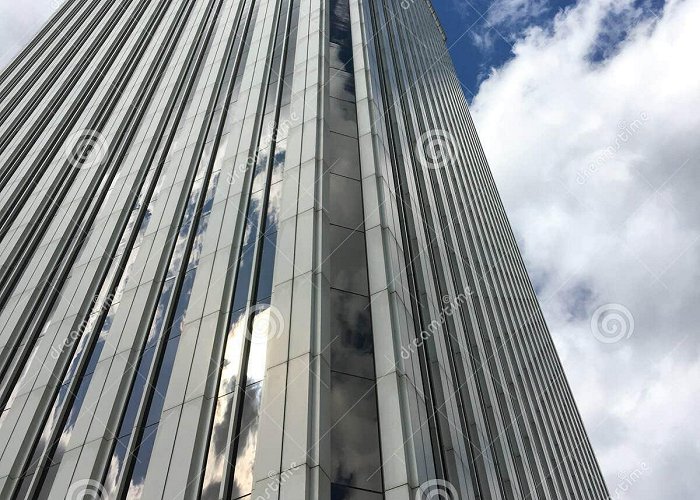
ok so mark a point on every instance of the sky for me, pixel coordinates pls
(589, 112)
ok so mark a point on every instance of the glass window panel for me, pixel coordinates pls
(343, 155)
(161, 388)
(273, 208)
(278, 162)
(355, 458)
(141, 462)
(352, 349)
(342, 117)
(247, 443)
(182, 303)
(342, 493)
(267, 267)
(245, 267)
(346, 202)
(136, 392)
(348, 260)
(342, 85)
(340, 22)
(341, 57)
(218, 443)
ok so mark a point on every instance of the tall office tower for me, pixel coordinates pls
(252, 249)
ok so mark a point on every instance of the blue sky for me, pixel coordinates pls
(481, 33)
(480, 38)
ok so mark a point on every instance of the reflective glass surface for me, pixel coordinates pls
(351, 334)
(355, 458)
(345, 199)
(348, 261)
(343, 155)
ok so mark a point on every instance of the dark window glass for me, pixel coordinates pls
(182, 303)
(342, 493)
(166, 370)
(143, 458)
(243, 279)
(348, 260)
(343, 155)
(341, 58)
(355, 458)
(160, 313)
(136, 392)
(340, 22)
(342, 85)
(346, 203)
(351, 334)
(267, 267)
(342, 117)
(47, 483)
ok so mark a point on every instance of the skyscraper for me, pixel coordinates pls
(252, 249)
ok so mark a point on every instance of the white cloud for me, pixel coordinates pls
(19, 21)
(597, 162)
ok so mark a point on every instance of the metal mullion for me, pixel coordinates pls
(567, 398)
(27, 59)
(67, 240)
(573, 430)
(442, 194)
(154, 372)
(19, 195)
(204, 38)
(30, 107)
(426, 376)
(100, 277)
(484, 415)
(540, 443)
(450, 190)
(240, 389)
(422, 205)
(500, 285)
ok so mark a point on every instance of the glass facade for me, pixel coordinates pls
(230, 268)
